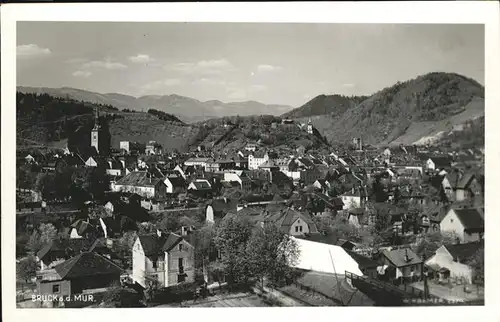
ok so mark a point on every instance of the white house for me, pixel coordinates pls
(197, 162)
(174, 184)
(437, 163)
(167, 259)
(408, 265)
(451, 261)
(255, 160)
(467, 224)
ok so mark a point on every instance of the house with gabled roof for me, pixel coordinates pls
(142, 183)
(88, 272)
(407, 264)
(451, 261)
(60, 250)
(467, 187)
(438, 163)
(175, 183)
(163, 258)
(466, 223)
(292, 222)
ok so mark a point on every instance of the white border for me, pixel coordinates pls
(346, 12)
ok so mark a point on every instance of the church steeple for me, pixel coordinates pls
(94, 135)
(309, 127)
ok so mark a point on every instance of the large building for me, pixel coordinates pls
(167, 259)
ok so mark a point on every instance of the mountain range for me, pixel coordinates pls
(423, 110)
(429, 109)
(187, 109)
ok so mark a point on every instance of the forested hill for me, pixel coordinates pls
(326, 104)
(418, 111)
(47, 121)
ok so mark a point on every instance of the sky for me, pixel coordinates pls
(267, 62)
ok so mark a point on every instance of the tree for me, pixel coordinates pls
(203, 245)
(428, 243)
(48, 233)
(272, 255)
(231, 237)
(477, 263)
(34, 244)
(26, 268)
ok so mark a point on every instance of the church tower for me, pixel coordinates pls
(309, 127)
(94, 136)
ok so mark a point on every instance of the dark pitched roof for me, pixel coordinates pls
(153, 244)
(72, 245)
(441, 161)
(177, 182)
(397, 257)
(470, 218)
(139, 179)
(87, 264)
(465, 180)
(172, 240)
(464, 251)
(285, 219)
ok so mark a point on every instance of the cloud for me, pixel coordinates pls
(76, 60)
(98, 64)
(205, 67)
(32, 50)
(160, 84)
(210, 82)
(141, 59)
(239, 93)
(268, 68)
(258, 88)
(82, 73)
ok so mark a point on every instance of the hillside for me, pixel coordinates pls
(233, 133)
(417, 111)
(332, 105)
(187, 109)
(47, 121)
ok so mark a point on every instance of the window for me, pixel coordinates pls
(296, 229)
(180, 247)
(55, 288)
(300, 228)
(451, 220)
(181, 263)
(412, 268)
(154, 264)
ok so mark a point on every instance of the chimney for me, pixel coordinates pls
(184, 230)
(407, 258)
